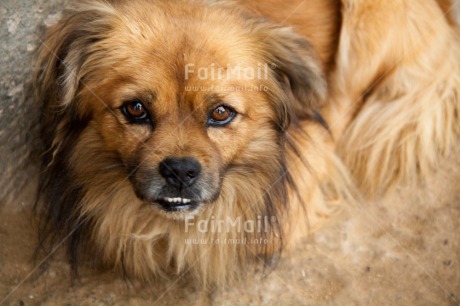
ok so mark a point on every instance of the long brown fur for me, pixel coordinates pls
(397, 88)
(381, 89)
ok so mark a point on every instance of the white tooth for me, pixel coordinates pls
(178, 200)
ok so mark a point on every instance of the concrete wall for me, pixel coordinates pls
(21, 27)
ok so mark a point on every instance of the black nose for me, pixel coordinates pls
(180, 172)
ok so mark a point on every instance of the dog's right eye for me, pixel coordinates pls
(221, 116)
(135, 112)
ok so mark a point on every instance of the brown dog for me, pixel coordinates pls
(188, 136)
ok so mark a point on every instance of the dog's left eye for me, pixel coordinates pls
(221, 116)
(135, 112)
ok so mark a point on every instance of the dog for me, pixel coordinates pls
(199, 137)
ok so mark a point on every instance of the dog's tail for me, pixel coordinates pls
(398, 82)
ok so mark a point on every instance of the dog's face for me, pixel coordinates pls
(177, 130)
(180, 103)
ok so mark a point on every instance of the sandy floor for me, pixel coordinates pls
(402, 251)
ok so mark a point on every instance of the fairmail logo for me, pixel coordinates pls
(214, 72)
(261, 224)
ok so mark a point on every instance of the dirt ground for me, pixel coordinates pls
(404, 250)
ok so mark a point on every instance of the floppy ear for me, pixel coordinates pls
(302, 87)
(65, 50)
(59, 71)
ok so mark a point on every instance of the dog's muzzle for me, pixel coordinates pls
(176, 184)
(180, 174)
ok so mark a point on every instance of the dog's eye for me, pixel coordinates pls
(135, 112)
(221, 116)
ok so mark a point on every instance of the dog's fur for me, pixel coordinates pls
(390, 110)
(403, 107)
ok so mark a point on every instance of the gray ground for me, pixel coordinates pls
(22, 24)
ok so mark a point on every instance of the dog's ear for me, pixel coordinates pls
(60, 70)
(301, 83)
(67, 46)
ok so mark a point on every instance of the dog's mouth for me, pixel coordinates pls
(177, 204)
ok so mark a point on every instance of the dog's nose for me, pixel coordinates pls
(180, 172)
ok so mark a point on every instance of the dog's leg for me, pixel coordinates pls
(395, 90)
